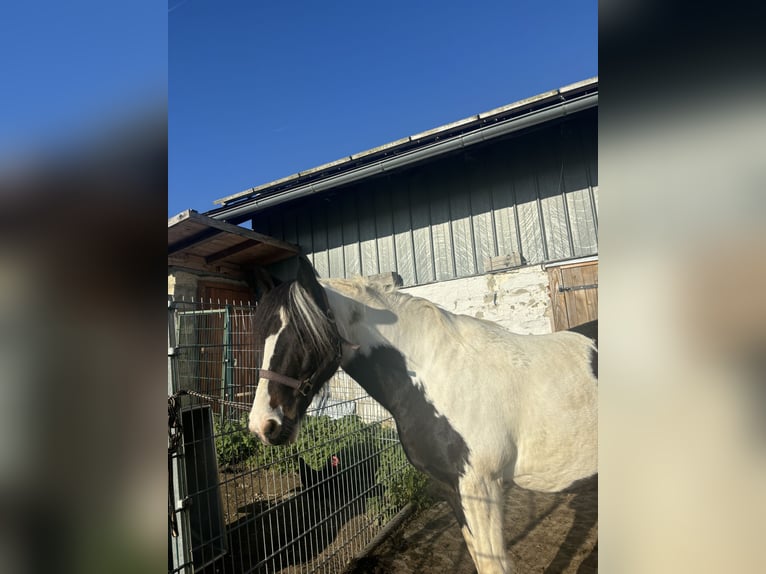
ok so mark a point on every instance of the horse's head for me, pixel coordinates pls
(301, 351)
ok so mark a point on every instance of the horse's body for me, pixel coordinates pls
(475, 404)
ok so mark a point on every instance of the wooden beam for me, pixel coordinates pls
(200, 237)
(192, 215)
(197, 263)
(223, 253)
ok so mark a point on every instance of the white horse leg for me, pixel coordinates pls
(482, 504)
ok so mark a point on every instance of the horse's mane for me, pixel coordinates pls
(389, 296)
(314, 329)
(418, 305)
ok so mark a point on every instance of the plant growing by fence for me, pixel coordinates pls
(234, 444)
(322, 438)
(402, 483)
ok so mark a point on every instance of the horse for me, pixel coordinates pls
(475, 405)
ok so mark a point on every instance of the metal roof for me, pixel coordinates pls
(474, 129)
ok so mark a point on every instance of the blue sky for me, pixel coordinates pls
(74, 67)
(262, 90)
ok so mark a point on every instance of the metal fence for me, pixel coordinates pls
(236, 506)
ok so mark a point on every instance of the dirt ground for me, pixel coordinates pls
(330, 531)
(550, 533)
(545, 533)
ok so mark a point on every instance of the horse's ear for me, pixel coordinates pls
(307, 278)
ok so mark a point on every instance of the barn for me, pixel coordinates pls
(494, 216)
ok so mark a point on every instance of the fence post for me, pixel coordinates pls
(179, 560)
(227, 355)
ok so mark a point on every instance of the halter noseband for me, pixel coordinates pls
(302, 387)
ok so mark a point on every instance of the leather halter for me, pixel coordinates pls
(303, 387)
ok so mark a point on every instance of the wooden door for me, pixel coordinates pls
(236, 361)
(220, 293)
(574, 294)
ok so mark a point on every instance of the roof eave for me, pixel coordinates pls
(395, 154)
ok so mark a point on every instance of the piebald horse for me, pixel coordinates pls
(475, 405)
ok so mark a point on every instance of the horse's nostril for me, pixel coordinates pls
(271, 428)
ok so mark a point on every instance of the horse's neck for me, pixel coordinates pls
(369, 323)
(378, 354)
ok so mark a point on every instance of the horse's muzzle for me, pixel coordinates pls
(275, 432)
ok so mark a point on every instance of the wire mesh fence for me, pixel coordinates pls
(237, 506)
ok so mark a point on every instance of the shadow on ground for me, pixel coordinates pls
(550, 533)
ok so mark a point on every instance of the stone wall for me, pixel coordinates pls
(517, 299)
(182, 285)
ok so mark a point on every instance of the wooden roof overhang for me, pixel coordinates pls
(201, 243)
